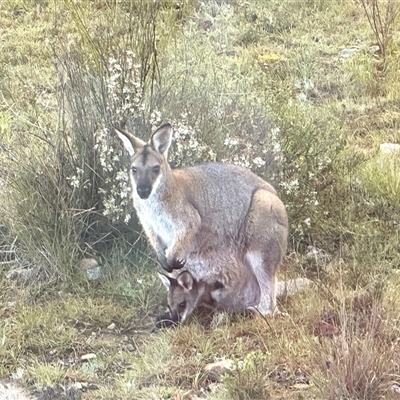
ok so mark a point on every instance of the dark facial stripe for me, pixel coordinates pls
(145, 153)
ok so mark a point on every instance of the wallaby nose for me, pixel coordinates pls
(143, 192)
(175, 318)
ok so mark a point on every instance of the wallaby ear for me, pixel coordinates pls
(185, 279)
(131, 142)
(166, 280)
(162, 139)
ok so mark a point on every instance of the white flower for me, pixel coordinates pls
(230, 142)
(259, 162)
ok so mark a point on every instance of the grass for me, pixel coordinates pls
(241, 80)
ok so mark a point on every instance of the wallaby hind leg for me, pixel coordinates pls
(266, 235)
(265, 272)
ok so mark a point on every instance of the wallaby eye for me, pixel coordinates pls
(134, 169)
(182, 305)
(156, 169)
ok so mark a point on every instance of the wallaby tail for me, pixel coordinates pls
(291, 286)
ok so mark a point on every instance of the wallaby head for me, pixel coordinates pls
(184, 294)
(148, 160)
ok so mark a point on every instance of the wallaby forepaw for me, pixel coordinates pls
(177, 264)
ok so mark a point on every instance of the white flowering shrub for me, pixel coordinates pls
(114, 189)
(124, 86)
(244, 148)
(98, 177)
(188, 146)
(79, 189)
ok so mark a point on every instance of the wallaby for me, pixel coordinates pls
(234, 288)
(185, 294)
(237, 210)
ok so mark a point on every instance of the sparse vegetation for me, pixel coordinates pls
(262, 84)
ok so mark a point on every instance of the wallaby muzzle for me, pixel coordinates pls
(144, 192)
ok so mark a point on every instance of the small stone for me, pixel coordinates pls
(348, 52)
(19, 273)
(94, 274)
(10, 391)
(217, 369)
(92, 386)
(374, 49)
(89, 356)
(301, 386)
(77, 386)
(48, 393)
(291, 286)
(72, 393)
(111, 326)
(129, 347)
(389, 148)
(317, 254)
(91, 268)
(396, 388)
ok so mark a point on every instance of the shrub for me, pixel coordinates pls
(69, 184)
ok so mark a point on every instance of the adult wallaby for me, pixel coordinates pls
(235, 208)
(185, 294)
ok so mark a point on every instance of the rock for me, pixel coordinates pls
(89, 356)
(129, 347)
(10, 391)
(301, 386)
(291, 286)
(91, 268)
(395, 388)
(20, 273)
(217, 369)
(73, 393)
(111, 326)
(374, 49)
(348, 52)
(389, 148)
(48, 393)
(317, 254)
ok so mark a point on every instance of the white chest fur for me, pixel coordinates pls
(157, 221)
